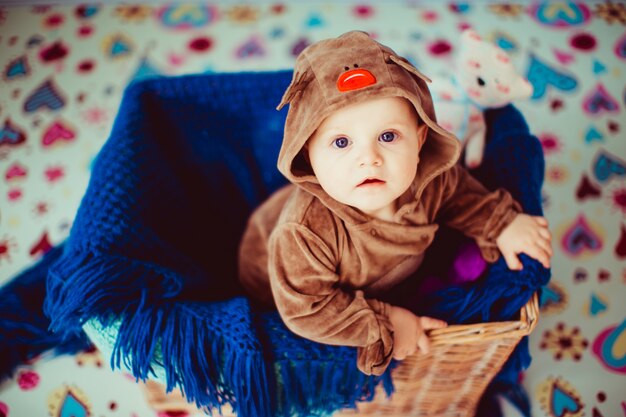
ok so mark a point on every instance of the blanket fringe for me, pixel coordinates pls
(158, 330)
(24, 332)
(313, 379)
(319, 388)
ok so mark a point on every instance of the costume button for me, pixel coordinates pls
(355, 79)
(373, 232)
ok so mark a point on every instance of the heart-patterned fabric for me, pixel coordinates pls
(64, 69)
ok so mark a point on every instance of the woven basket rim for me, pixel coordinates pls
(479, 332)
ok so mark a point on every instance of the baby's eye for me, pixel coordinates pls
(387, 137)
(341, 142)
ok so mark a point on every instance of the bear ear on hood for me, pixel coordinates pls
(298, 83)
(404, 63)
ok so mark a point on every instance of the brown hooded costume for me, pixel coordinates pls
(322, 263)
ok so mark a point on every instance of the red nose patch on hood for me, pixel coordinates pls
(355, 79)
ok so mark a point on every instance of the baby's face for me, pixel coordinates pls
(365, 155)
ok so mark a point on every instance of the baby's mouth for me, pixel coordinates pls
(371, 181)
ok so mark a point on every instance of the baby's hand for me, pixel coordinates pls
(526, 234)
(408, 332)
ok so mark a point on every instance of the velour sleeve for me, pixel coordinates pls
(466, 205)
(307, 292)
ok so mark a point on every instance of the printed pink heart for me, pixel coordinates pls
(54, 173)
(580, 237)
(15, 171)
(57, 131)
(599, 100)
(14, 194)
(563, 57)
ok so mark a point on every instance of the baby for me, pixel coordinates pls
(373, 175)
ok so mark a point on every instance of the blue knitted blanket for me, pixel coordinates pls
(154, 243)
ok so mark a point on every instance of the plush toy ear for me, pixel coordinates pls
(404, 63)
(298, 83)
(522, 88)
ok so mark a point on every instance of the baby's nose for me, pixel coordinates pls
(370, 155)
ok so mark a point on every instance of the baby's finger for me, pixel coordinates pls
(545, 246)
(423, 343)
(539, 254)
(399, 354)
(431, 323)
(545, 233)
(541, 220)
(512, 261)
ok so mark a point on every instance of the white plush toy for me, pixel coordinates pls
(484, 78)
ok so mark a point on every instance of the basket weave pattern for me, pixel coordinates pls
(450, 379)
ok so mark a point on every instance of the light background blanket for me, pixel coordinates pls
(64, 69)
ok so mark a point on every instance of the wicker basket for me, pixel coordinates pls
(451, 378)
(447, 382)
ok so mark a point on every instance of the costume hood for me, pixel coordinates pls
(351, 68)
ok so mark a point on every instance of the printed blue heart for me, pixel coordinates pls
(119, 47)
(580, 275)
(541, 76)
(462, 8)
(87, 11)
(562, 403)
(599, 100)
(45, 96)
(185, 16)
(277, 33)
(596, 305)
(608, 165)
(581, 237)
(561, 14)
(593, 135)
(72, 407)
(34, 40)
(145, 70)
(90, 11)
(17, 68)
(567, 15)
(506, 43)
(550, 297)
(251, 48)
(10, 135)
(315, 21)
(598, 67)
